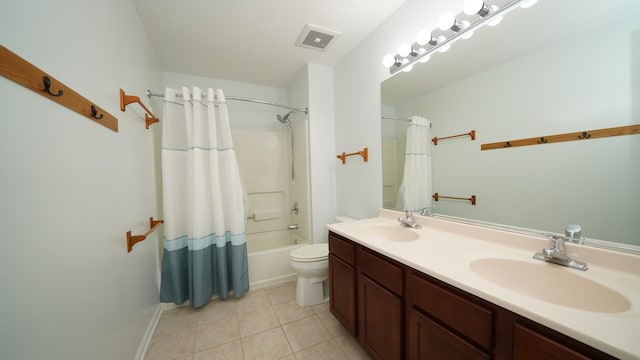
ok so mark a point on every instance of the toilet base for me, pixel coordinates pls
(312, 291)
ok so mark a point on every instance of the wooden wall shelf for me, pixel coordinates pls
(580, 135)
(364, 153)
(471, 134)
(19, 70)
(134, 239)
(437, 197)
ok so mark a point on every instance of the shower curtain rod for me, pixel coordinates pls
(400, 119)
(395, 118)
(306, 110)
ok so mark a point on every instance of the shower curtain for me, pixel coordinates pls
(205, 248)
(415, 190)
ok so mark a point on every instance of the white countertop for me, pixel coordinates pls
(445, 249)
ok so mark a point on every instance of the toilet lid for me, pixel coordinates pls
(313, 252)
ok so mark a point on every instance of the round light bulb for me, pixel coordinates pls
(472, 7)
(495, 21)
(408, 68)
(528, 4)
(423, 37)
(467, 35)
(388, 60)
(404, 49)
(444, 48)
(446, 21)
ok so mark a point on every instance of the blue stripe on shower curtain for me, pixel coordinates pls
(205, 246)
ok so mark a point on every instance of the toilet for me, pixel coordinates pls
(312, 265)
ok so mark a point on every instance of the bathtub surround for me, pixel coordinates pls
(205, 246)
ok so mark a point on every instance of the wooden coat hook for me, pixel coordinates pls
(364, 153)
(22, 72)
(134, 239)
(125, 100)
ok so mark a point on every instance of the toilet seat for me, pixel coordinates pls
(309, 253)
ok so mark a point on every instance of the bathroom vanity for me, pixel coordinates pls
(414, 294)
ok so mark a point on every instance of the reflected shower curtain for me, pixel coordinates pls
(415, 191)
(205, 249)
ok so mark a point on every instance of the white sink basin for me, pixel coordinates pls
(551, 283)
(393, 233)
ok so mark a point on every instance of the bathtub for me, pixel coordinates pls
(268, 256)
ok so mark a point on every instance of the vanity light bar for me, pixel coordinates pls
(487, 14)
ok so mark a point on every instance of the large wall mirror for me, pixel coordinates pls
(561, 66)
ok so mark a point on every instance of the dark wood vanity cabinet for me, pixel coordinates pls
(445, 323)
(342, 282)
(380, 305)
(396, 312)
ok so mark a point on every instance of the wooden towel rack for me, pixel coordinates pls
(364, 153)
(134, 239)
(580, 135)
(125, 100)
(471, 133)
(19, 70)
(436, 197)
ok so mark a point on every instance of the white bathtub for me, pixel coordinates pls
(271, 266)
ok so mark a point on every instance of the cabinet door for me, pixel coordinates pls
(529, 344)
(428, 340)
(342, 293)
(380, 320)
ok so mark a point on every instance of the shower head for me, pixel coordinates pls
(284, 119)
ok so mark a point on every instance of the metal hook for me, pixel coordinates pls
(94, 113)
(47, 85)
(542, 140)
(585, 135)
(507, 144)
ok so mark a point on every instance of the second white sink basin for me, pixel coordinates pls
(394, 233)
(551, 283)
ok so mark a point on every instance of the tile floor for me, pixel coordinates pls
(264, 324)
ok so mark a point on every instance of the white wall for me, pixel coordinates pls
(70, 189)
(322, 149)
(357, 103)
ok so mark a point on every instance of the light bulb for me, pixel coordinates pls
(408, 68)
(446, 21)
(444, 48)
(388, 60)
(472, 7)
(527, 4)
(467, 35)
(423, 37)
(424, 59)
(404, 49)
(495, 21)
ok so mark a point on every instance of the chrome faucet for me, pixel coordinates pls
(407, 220)
(556, 254)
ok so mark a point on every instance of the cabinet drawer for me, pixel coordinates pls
(342, 249)
(380, 269)
(469, 318)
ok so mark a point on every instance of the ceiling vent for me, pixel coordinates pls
(316, 37)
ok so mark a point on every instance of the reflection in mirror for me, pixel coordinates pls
(561, 66)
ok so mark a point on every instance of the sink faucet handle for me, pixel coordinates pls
(408, 214)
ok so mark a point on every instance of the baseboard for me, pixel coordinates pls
(151, 328)
(273, 281)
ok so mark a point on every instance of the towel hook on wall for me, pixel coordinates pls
(47, 86)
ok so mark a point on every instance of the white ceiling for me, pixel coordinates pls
(254, 40)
